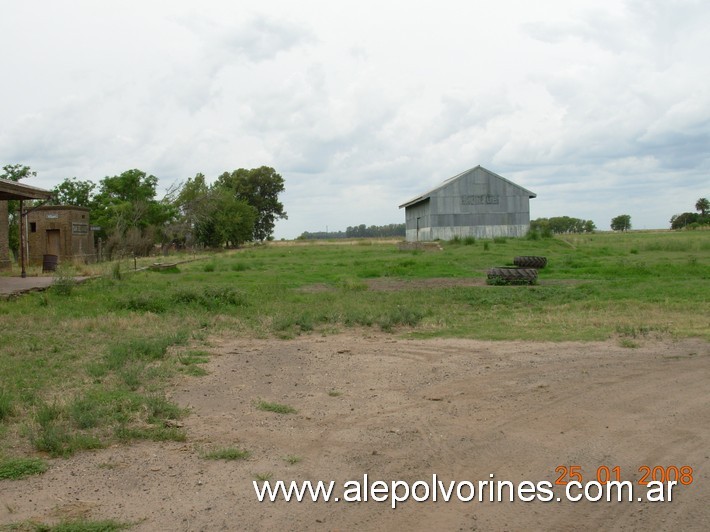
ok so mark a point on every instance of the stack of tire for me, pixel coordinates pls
(524, 272)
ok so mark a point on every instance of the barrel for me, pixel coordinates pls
(49, 263)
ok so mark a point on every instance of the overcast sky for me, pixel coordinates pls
(600, 107)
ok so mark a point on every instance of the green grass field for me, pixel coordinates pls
(83, 366)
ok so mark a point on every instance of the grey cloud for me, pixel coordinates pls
(258, 39)
(263, 38)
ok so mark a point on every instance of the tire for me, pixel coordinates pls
(512, 276)
(530, 262)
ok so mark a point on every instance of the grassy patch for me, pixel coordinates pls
(227, 453)
(628, 343)
(79, 525)
(277, 408)
(6, 405)
(17, 468)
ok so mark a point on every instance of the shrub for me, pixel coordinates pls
(63, 282)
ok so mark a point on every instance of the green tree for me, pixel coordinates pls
(211, 216)
(73, 192)
(15, 172)
(702, 205)
(260, 188)
(679, 221)
(128, 200)
(130, 217)
(223, 219)
(190, 200)
(561, 224)
(621, 222)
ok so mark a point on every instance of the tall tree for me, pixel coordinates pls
(621, 222)
(73, 192)
(128, 200)
(260, 188)
(224, 220)
(702, 205)
(15, 172)
(189, 200)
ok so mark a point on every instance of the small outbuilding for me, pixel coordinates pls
(61, 231)
(475, 203)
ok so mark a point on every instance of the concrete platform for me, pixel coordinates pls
(11, 286)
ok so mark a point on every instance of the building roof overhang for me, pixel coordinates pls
(11, 190)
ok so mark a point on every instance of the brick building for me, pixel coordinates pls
(60, 230)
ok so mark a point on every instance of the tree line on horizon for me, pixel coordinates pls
(240, 206)
(357, 231)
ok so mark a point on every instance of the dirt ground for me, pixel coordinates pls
(403, 410)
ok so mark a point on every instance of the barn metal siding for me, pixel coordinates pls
(475, 203)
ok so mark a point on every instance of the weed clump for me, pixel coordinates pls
(142, 303)
(141, 349)
(227, 453)
(63, 283)
(277, 408)
(210, 297)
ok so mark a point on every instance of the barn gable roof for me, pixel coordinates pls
(426, 195)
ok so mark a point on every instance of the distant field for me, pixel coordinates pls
(84, 365)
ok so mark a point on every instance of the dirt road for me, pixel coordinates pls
(404, 410)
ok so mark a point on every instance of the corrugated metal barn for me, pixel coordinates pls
(476, 203)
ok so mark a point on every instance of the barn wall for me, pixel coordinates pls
(477, 203)
(422, 211)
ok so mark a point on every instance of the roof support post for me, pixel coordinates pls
(23, 257)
